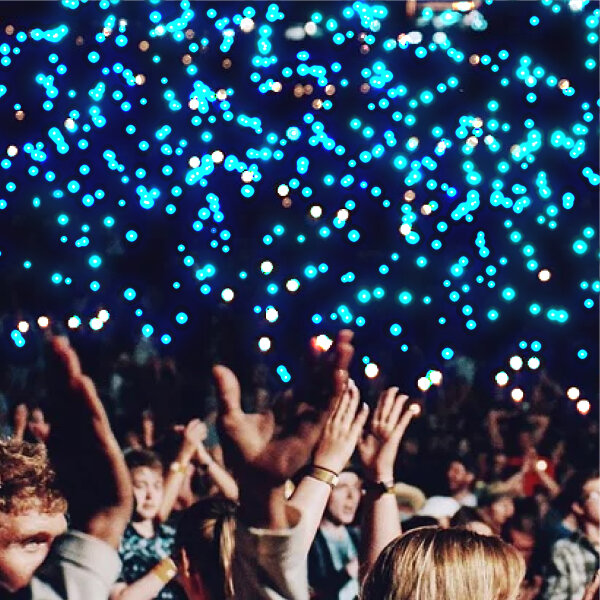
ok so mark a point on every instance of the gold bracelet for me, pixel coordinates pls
(165, 570)
(178, 467)
(325, 475)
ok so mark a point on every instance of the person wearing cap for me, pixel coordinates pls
(441, 508)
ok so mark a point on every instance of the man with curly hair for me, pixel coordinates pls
(39, 558)
(32, 511)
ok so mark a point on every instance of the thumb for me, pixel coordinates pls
(228, 389)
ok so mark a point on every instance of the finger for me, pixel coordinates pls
(228, 389)
(396, 411)
(400, 428)
(341, 406)
(344, 352)
(360, 420)
(354, 399)
(387, 400)
(66, 356)
(343, 349)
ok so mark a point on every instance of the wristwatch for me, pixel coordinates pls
(380, 487)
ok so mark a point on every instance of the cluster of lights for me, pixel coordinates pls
(329, 183)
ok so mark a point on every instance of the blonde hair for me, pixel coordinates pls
(27, 480)
(207, 533)
(445, 564)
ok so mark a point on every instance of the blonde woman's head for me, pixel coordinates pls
(445, 564)
(205, 549)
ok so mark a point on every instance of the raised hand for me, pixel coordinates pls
(84, 452)
(378, 450)
(251, 444)
(255, 444)
(194, 433)
(342, 430)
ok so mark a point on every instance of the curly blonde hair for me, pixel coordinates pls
(27, 481)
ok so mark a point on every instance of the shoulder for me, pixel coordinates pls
(165, 530)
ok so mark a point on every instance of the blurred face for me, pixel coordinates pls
(591, 501)
(344, 499)
(147, 491)
(502, 510)
(499, 463)
(25, 540)
(524, 543)
(458, 477)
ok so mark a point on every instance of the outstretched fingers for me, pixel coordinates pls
(359, 421)
(397, 408)
(385, 406)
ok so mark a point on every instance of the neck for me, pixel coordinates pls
(460, 494)
(592, 532)
(332, 526)
(145, 528)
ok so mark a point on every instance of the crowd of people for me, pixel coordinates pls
(122, 490)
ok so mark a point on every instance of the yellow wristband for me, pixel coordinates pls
(178, 467)
(165, 570)
(324, 475)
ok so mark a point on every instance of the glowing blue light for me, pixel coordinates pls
(94, 261)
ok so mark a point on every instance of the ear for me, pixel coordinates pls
(577, 509)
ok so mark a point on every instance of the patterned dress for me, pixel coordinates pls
(140, 554)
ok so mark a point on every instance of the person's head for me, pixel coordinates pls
(205, 548)
(409, 498)
(521, 530)
(582, 492)
(146, 471)
(468, 518)
(458, 476)
(344, 499)
(32, 511)
(442, 508)
(445, 564)
(499, 461)
(496, 505)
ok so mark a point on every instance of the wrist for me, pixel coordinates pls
(165, 570)
(324, 474)
(380, 486)
(185, 455)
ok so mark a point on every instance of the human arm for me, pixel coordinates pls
(89, 464)
(148, 586)
(270, 536)
(378, 451)
(193, 434)
(340, 435)
(148, 429)
(220, 476)
(83, 564)
(262, 458)
(493, 426)
(591, 590)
